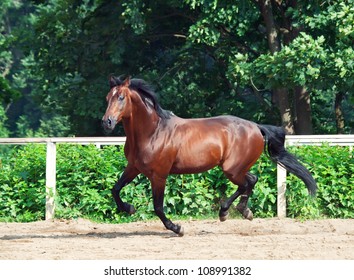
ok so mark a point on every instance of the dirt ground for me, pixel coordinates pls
(260, 239)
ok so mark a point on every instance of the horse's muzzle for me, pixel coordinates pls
(109, 124)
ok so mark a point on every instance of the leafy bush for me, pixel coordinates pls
(22, 184)
(263, 201)
(86, 175)
(333, 169)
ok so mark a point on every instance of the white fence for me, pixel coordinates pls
(51, 157)
(291, 140)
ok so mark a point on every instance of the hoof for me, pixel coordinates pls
(247, 214)
(181, 232)
(131, 210)
(178, 229)
(128, 209)
(223, 216)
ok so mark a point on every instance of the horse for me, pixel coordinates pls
(159, 143)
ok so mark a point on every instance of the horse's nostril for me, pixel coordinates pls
(109, 121)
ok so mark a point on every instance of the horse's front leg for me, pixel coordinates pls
(128, 175)
(158, 191)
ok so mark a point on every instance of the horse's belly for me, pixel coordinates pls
(192, 169)
(197, 160)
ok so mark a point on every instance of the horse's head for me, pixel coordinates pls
(119, 103)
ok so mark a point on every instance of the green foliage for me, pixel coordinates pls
(263, 200)
(333, 169)
(86, 175)
(296, 64)
(194, 195)
(22, 184)
(3, 130)
(134, 15)
(204, 57)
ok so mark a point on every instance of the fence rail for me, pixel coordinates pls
(291, 140)
(51, 156)
(72, 140)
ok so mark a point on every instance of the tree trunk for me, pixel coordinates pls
(303, 111)
(280, 95)
(281, 99)
(339, 112)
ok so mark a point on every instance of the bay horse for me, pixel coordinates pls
(159, 143)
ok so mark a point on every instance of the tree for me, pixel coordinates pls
(338, 70)
(280, 93)
(7, 93)
(268, 61)
(295, 52)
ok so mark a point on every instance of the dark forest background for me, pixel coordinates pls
(288, 63)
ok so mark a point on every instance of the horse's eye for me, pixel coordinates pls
(120, 97)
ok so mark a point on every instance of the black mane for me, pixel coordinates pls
(146, 93)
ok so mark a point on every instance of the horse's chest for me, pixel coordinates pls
(149, 161)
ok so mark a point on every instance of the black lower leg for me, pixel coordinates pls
(245, 191)
(242, 207)
(167, 222)
(122, 206)
(171, 226)
(224, 209)
(158, 189)
(128, 175)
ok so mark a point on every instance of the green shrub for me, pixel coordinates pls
(22, 184)
(86, 175)
(333, 169)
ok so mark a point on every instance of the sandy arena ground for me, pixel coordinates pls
(270, 239)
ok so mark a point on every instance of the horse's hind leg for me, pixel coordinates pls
(242, 205)
(244, 190)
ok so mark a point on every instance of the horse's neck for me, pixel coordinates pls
(140, 125)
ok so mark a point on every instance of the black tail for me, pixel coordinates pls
(275, 138)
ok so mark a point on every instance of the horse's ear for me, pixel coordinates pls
(112, 81)
(126, 82)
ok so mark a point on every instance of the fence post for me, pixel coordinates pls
(281, 186)
(50, 178)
